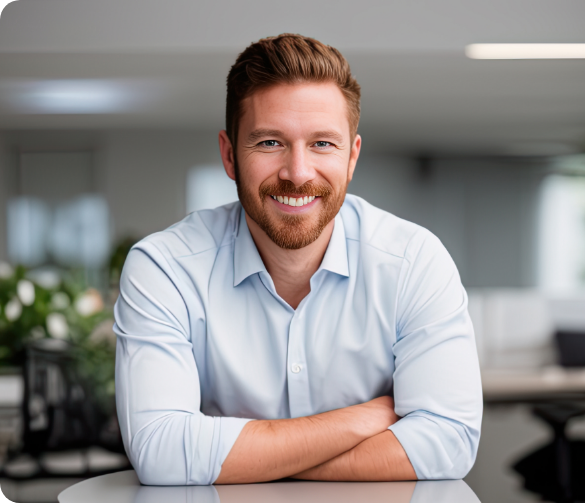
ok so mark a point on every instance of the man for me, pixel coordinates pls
(264, 339)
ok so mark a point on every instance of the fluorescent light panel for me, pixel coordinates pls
(525, 51)
(78, 96)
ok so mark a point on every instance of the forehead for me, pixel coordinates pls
(299, 107)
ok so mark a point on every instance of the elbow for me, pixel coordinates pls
(462, 453)
(439, 448)
(152, 470)
(165, 453)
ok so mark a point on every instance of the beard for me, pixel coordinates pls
(290, 232)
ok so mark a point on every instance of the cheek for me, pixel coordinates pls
(335, 171)
(257, 168)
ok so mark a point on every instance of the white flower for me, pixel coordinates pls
(13, 309)
(47, 278)
(26, 292)
(60, 300)
(89, 303)
(6, 270)
(57, 326)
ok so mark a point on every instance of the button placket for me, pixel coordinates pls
(298, 382)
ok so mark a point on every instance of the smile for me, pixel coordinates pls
(294, 201)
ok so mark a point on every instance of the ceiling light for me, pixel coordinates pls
(76, 96)
(525, 51)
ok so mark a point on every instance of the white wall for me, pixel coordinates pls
(144, 175)
(484, 211)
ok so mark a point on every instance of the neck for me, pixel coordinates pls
(290, 270)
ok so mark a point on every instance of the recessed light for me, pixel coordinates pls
(76, 96)
(525, 51)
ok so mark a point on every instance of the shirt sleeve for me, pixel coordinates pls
(437, 383)
(158, 397)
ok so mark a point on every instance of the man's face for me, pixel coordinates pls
(294, 159)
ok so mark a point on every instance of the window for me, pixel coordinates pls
(562, 233)
(55, 215)
(209, 187)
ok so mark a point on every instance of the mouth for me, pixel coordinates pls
(294, 201)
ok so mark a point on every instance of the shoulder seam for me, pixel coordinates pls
(150, 243)
(384, 251)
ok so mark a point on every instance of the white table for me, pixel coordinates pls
(124, 487)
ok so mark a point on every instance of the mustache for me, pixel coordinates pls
(287, 187)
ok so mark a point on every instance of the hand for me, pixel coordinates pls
(376, 415)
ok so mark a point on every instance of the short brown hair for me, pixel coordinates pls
(287, 59)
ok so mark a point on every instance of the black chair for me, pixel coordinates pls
(556, 471)
(58, 411)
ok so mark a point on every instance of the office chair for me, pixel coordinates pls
(555, 471)
(58, 411)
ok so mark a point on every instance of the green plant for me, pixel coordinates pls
(50, 304)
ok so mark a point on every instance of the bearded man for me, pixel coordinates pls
(299, 332)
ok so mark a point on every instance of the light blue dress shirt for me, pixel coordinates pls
(205, 343)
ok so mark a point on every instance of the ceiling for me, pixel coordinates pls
(165, 64)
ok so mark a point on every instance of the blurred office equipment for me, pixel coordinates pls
(55, 215)
(555, 470)
(524, 350)
(60, 415)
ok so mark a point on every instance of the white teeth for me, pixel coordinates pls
(294, 201)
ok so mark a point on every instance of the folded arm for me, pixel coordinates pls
(269, 450)
(379, 458)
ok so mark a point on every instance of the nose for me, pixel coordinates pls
(297, 168)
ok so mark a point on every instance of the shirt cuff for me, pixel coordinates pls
(422, 439)
(225, 433)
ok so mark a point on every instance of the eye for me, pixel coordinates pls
(269, 143)
(323, 144)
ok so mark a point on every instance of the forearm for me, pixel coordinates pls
(273, 449)
(379, 458)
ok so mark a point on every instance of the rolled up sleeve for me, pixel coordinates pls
(169, 441)
(437, 384)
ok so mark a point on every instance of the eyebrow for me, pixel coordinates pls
(263, 133)
(334, 135)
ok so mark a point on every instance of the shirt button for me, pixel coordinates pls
(296, 368)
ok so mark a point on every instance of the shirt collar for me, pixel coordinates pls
(247, 260)
(335, 259)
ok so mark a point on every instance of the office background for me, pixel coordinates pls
(109, 114)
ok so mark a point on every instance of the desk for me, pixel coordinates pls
(124, 487)
(533, 384)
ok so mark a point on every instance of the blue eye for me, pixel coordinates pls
(322, 144)
(269, 143)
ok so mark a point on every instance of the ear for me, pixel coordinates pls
(353, 156)
(227, 154)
